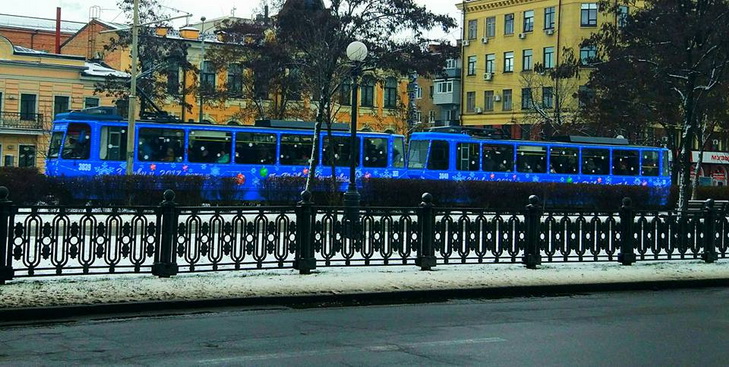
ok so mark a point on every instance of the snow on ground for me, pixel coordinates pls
(100, 289)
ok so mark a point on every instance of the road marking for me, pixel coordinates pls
(343, 350)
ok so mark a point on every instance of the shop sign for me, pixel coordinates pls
(711, 157)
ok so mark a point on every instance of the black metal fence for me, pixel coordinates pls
(168, 239)
(17, 120)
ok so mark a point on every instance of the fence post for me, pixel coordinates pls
(165, 262)
(6, 253)
(304, 261)
(709, 254)
(627, 236)
(532, 256)
(426, 252)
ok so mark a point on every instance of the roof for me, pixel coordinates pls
(97, 69)
(43, 24)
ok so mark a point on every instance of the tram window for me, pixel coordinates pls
(113, 143)
(55, 145)
(649, 164)
(666, 164)
(160, 145)
(625, 162)
(295, 149)
(468, 157)
(336, 150)
(417, 154)
(398, 158)
(375, 152)
(562, 160)
(498, 158)
(438, 158)
(255, 148)
(531, 159)
(595, 161)
(209, 146)
(77, 143)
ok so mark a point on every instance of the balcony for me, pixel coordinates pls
(29, 122)
(451, 73)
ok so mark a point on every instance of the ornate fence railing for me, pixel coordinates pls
(168, 239)
(17, 120)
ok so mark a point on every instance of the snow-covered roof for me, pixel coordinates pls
(96, 69)
(44, 24)
(27, 50)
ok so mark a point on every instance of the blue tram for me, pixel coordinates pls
(87, 144)
(463, 154)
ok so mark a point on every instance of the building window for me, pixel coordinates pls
(549, 17)
(444, 87)
(61, 104)
(548, 57)
(207, 78)
(528, 20)
(585, 95)
(490, 63)
(173, 79)
(470, 101)
(390, 93)
(488, 100)
(547, 97)
(490, 27)
(451, 64)
(526, 98)
(508, 62)
(623, 12)
(472, 29)
(509, 24)
(27, 107)
(91, 102)
(26, 156)
(345, 93)
(472, 65)
(235, 80)
(506, 100)
(368, 92)
(588, 15)
(526, 59)
(431, 116)
(588, 55)
(418, 92)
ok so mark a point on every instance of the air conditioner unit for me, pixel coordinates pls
(466, 42)
(484, 40)
(488, 76)
(497, 98)
(522, 35)
(478, 110)
(549, 31)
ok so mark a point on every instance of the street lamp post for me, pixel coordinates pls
(132, 108)
(356, 52)
(202, 66)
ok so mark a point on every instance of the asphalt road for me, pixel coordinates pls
(650, 328)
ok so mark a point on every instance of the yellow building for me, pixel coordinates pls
(34, 86)
(502, 43)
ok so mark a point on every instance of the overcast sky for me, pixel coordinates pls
(79, 10)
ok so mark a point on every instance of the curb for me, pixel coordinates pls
(60, 313)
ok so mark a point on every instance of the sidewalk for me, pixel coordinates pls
(76, 295)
